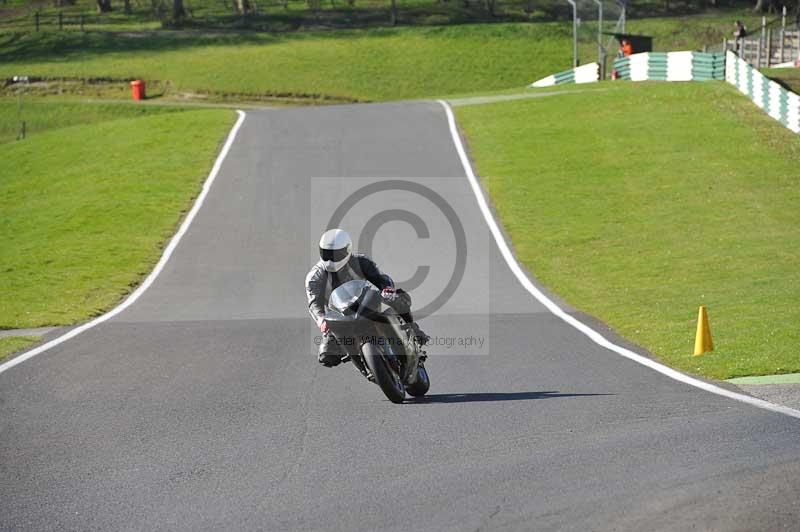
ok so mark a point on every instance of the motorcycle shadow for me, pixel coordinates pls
(494, 396)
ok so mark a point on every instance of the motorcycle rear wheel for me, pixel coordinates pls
(388, 380)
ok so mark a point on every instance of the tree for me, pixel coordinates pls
(393, 15)
(763, 5)
(178, 12)
(243, 6)
(103, 6)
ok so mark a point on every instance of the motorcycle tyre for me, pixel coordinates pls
(421, 385)
(384, 377)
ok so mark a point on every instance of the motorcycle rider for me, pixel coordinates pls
(337, 265)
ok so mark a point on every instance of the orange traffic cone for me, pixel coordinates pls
(702, 339)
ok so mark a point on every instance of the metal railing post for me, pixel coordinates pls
(60, 21)
(761, 41)
(36, 18)
(783, 34)
(23, 125)
(601, 56)
(758, 54)
(769, 47)
(574, 33)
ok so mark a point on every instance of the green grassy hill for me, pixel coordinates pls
(85, 209)
(639, 202)
(349, 65)
(315, 64)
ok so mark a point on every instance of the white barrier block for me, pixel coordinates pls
(730, 67)
(588, 73)
(544, 82)
(679, 66)
(794, 112)
(744, 70)
(758, 88)
(761, 87)
(774, 100)
(639, 66)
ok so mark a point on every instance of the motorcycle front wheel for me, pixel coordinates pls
(421, 385)
(385, 377)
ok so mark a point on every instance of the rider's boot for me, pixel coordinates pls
(422, 338)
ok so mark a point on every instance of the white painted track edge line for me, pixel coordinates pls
(595, 336)
(173, 243)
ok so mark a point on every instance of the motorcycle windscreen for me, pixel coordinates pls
(351, 295)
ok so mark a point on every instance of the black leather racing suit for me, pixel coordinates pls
(320, 283)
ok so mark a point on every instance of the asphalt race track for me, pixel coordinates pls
(202, 406)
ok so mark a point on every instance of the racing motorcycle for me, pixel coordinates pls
(379, 343)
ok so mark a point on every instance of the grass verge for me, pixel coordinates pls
(788, 77)
(642, 202)
(12, 344)
(378, 64)
(42, 115)
(85, 209)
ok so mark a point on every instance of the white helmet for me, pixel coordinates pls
(335, 248)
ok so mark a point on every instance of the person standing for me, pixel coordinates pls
(626, 48)
(739, 33)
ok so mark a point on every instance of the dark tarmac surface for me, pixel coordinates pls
(202, 406)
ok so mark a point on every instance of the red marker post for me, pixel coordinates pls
(137, 90)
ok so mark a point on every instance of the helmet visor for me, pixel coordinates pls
(334, 255)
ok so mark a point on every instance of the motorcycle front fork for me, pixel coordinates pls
(358, 362)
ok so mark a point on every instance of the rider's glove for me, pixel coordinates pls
(389, 295)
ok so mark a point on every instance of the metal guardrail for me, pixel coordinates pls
(59, 20)
(772, 44)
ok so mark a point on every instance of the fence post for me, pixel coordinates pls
(81, 21)
(574, 33)
(758, 54)
(783, 34)
(60, 20)
(36, 18)
(601, 54)
(769, 47)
